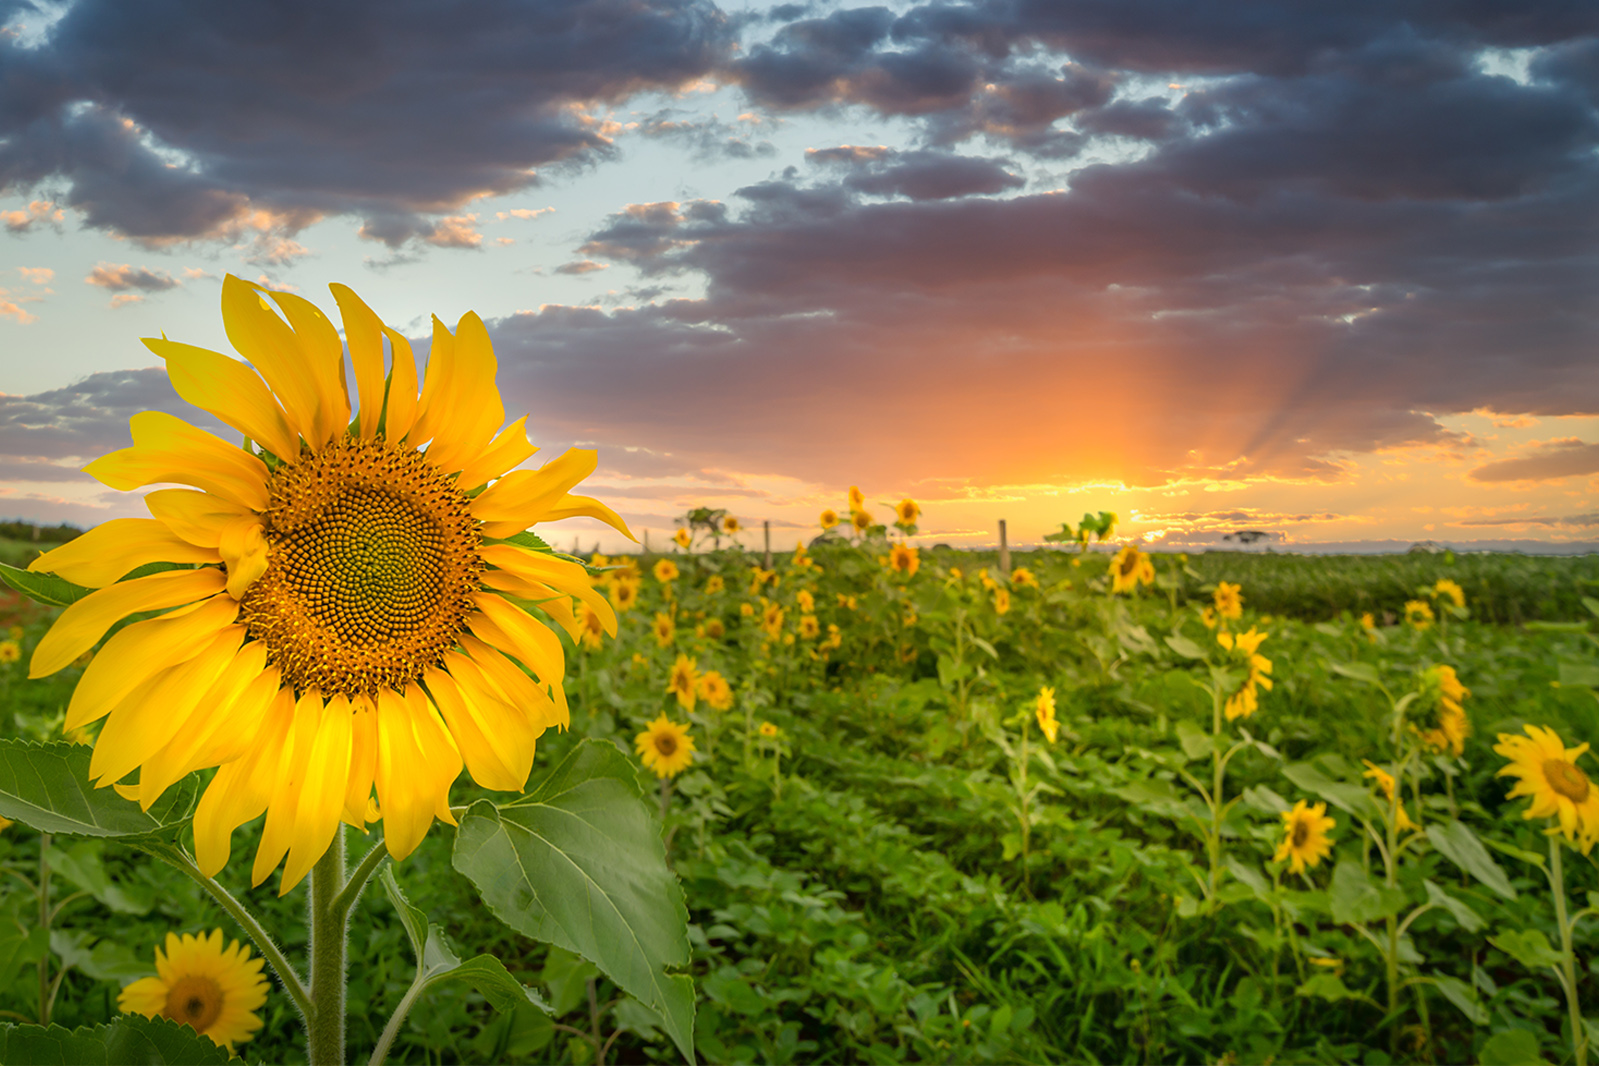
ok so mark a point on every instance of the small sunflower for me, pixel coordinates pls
(1207, 616)
(683, 538)
(1305, 840)
(665, 747)
(904, 559)
(802, 559)
(1385, 781)
(664, 628)
(346, 614)
(1022, 577)
(806, 601)
(772, 620)
(910, 619)
(1446, 587)
(715, 630)
(665, 571)
(1002, 600)
(1130, 568)
(1243, 643)
(907, 511)
(683, 682)
(10, 651)
(624, 594)
(593, 627)
(1368, 621)
(1551, 777)
(716, 585)
(829, 518)
(768, 730)
(846, 602)
(1229, 600)
(1418, 614)
(835, 637)
(1044, 708)
(1442, 692)
(759, 578)
(809, 627)
(861, 520)
(731, 525)
(747, 610)
(715, 690)
(857, 498)
(201, 985)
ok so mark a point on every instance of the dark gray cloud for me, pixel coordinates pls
(1553, 460)
(919, 175)
(395, 112)
(121, 278)
(88, 418)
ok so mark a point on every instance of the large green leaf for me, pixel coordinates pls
(1341, 794)
(127, 1041)
(578, 863)
(1354, 897)
(46, 787)
(437, 962)
(1457, 843)
(1513, 1047)
(45, 588)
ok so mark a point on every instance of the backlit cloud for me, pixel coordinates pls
(1550, 461)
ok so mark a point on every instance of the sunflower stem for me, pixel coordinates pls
(353, 888)
(287, 977)
(1557, 881)
(325, 1023)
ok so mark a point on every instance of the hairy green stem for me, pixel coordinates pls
(325, 1025)
(353, 888)
(1557, 881)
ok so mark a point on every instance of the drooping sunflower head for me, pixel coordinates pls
(1130, 568)
(857, 498)
(904, 559)
(1418, 614)
(1044, 710)
(1549, 775)
(1229, 600)
(1002, 600)
(346, 614)
(198, 983)
(683, 681)
(1305, 836)
(665, 747)
(1446, 587)
(715, 690)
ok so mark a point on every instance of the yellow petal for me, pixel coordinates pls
(231, 391)
(507, 450)
(241, 789)
(82, 624)
(438, 748)
(466, 410)
(138, 651)
(519, 634)
(514, 727)
(567, 578)
(363, 761)
(327, 774)
(400, 776)
(399, 406)
(197, 517)
(517, 688)
(289, 786)
(522, 497)
(226, 720)
(244, 549)
(363, 331)
(112, 549)
(436, 386)
(479, 746)
(147, 721)
(146, 996)
(567, 507)
(324, 354)
(166, 448)
(258, 334)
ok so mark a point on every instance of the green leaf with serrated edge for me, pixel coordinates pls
(578, 862)
(129, 1039)
(46, 787)
(1460, 994)
(1468, 918)
(1529, 947)
(1513, 1047)
(437, 962)
(1457, 843)
(1351, 798)
(1184, 646)
(43, 588)
(1196, 743)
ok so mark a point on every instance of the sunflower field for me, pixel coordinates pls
(331, 760)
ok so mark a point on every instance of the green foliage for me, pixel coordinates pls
(46, 787)
(128, 1039)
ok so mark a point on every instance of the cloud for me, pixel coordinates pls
(120, 278)
(11, 309)
(456, 231)
(1557, 521)
(89, 417)
(37, 275)
(580, 267)
(1549, 461)
(37, 212)
(523, 213)
(708, 139)
(919, 175)
(177, 122)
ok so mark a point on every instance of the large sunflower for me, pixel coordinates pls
(342, 600)
(1551, 777)
(200, 984)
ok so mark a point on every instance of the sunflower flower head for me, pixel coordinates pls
(1229, 600)
(828, 519)
(861, 521)
(1549, 775)
(716, 585)
(772, 621)
(1418, 614)
(665, 571)
(809, 627)
(664, 628)
(683, 682)
(10, 651)
(857, 498)
(593, 627)
(342, 618)
(1130, 568)
(1305, 840)
(769, 731)
(200, 984)
(683, 538)
(715, 691)
(1440, 711)
(665, 747)
(1001, 600)
(624, 594)
(1447, 588)
(1044, 710)
(806, 600)
(1385, 783)
(904, 559)
(906, 512)
(1023, 578)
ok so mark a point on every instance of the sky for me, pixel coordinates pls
(1324, 269)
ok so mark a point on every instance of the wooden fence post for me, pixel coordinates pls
(766, 528)
(1004, 551)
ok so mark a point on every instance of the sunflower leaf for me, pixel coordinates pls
(43, 588)
(129, 1038)
(1457, 843)
(46, 787)
(578, 862)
